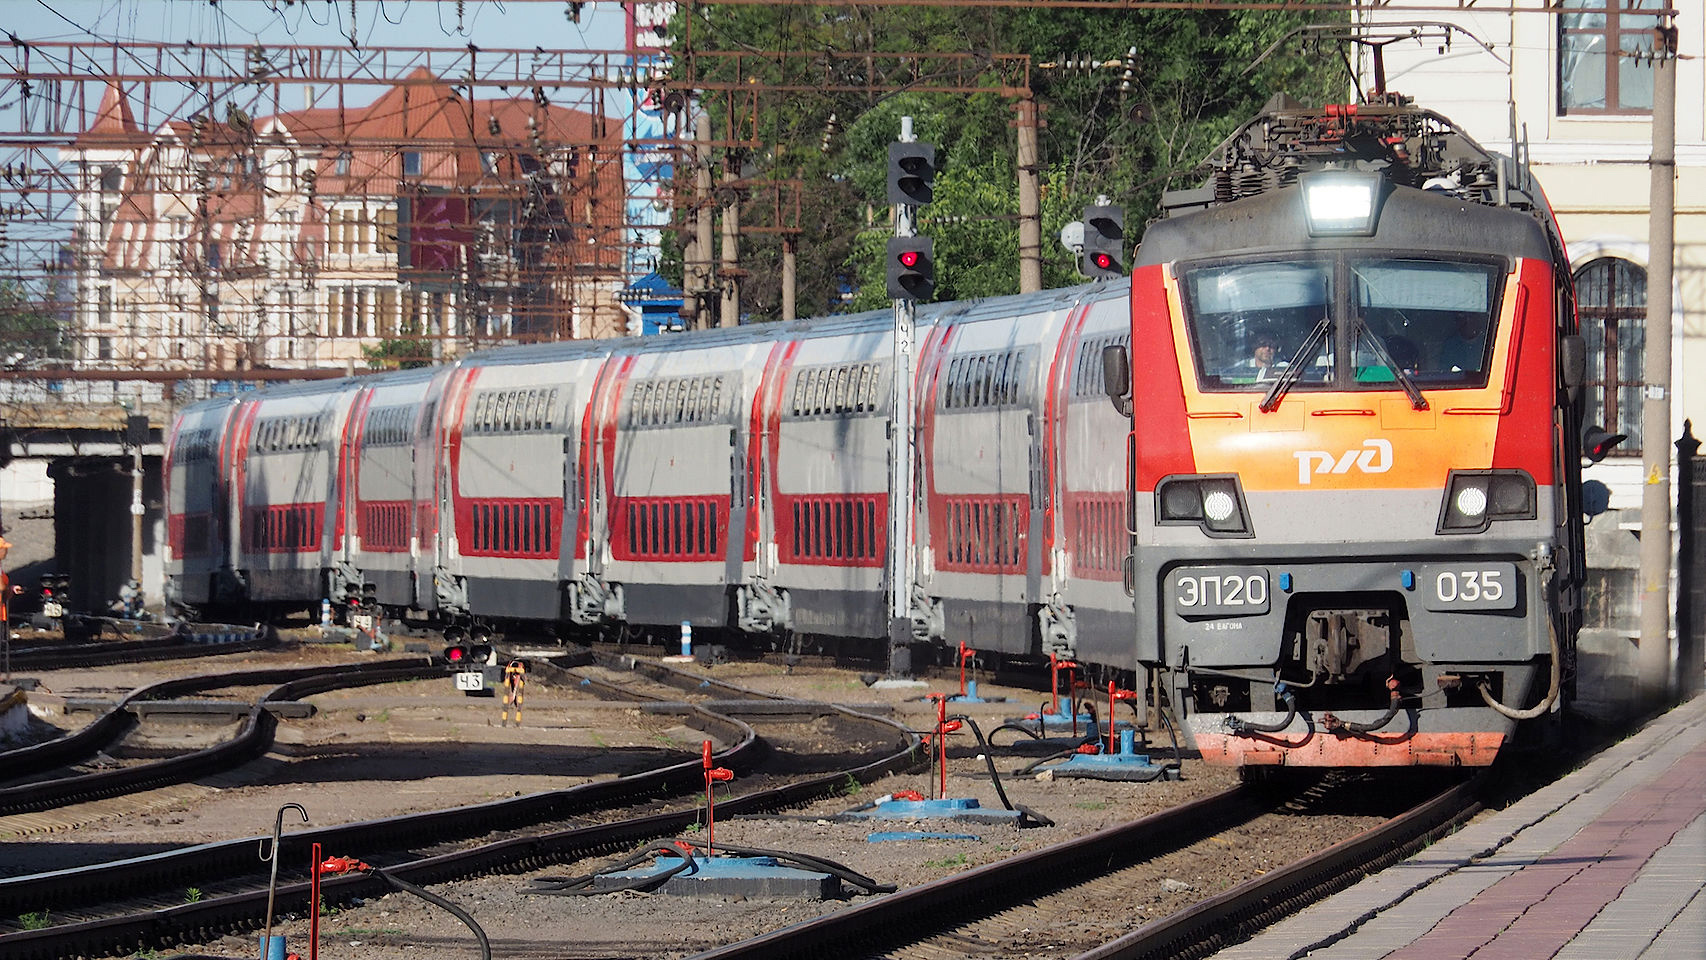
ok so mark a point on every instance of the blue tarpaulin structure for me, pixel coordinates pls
(657, 302)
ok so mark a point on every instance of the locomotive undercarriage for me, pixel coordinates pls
(1348, 682)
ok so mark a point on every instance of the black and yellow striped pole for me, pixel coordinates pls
(515, 677)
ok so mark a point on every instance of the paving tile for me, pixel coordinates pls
(1604, 857)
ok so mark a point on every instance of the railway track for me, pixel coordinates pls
(252, 739)
(984, 910)
(99, 909)
(140, 640)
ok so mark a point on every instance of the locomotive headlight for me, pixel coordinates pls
(1472, 502)
(1475, 498)
(1341, 203)
(1215, 503)
(1218, 505)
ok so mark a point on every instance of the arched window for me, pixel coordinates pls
(1599, 70)
(1611, 299)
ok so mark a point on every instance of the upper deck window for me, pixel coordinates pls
(1348, 322)
(1599, 71)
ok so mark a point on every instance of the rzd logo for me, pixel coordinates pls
(1375, 456)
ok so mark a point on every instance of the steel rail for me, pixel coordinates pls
(913, 914)
(174, 645)
(253, 739)
(898, 916)
(241, 910)
(96, 735)
(1233, 916)
(198, 865)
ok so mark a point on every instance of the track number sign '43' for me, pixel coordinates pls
(1374, 456)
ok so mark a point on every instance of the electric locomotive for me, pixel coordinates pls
(1354, 455)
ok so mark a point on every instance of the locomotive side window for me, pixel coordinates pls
(194, 446)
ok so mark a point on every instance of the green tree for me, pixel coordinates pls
(28, 329)
(1180, 81)
(398, 353)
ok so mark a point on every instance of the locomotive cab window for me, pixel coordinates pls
(1394, 320)
(1250, 322)
(1430, 319)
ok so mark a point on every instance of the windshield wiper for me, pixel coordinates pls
(1417, 401)
(1294, 370)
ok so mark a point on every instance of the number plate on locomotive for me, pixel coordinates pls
(1469, 586)
(1219, 591)
(471, 681)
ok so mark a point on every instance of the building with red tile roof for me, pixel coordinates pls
(423, 221)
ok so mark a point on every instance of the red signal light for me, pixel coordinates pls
(909, 259)
(455, 654)
(1104, 261)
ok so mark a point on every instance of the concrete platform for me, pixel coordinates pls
(1608, 862)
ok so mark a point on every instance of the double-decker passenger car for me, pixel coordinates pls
(729, 479)
(1355, 478)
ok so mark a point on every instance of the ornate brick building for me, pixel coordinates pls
(421, 224)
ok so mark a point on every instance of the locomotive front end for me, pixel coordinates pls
(1351, 456)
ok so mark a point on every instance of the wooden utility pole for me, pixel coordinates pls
(1030, 200)
(700, 269)
(1655, 566)
(728, 278)
(790, 251)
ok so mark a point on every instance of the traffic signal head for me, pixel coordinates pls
(1104, 242)
(468, 654)
(1597, 442)
(911, 268)
(912, 173)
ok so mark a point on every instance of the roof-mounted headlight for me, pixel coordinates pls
(1341, 203)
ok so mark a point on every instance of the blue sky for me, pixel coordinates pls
(379, 23)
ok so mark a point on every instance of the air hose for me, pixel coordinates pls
(1393, 701)
(1019, 726)
(1551, 695)
(432, 898)
(1242, 727)
(995, 777)
(581, 886)
(1137, 719)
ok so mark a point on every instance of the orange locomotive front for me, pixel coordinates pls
(1354, 460)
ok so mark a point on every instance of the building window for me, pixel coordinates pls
(1596, 74)
(411, 163)
(342, 166)
(1611, 300)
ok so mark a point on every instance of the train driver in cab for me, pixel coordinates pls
(1464, 349)
(1264, 361)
